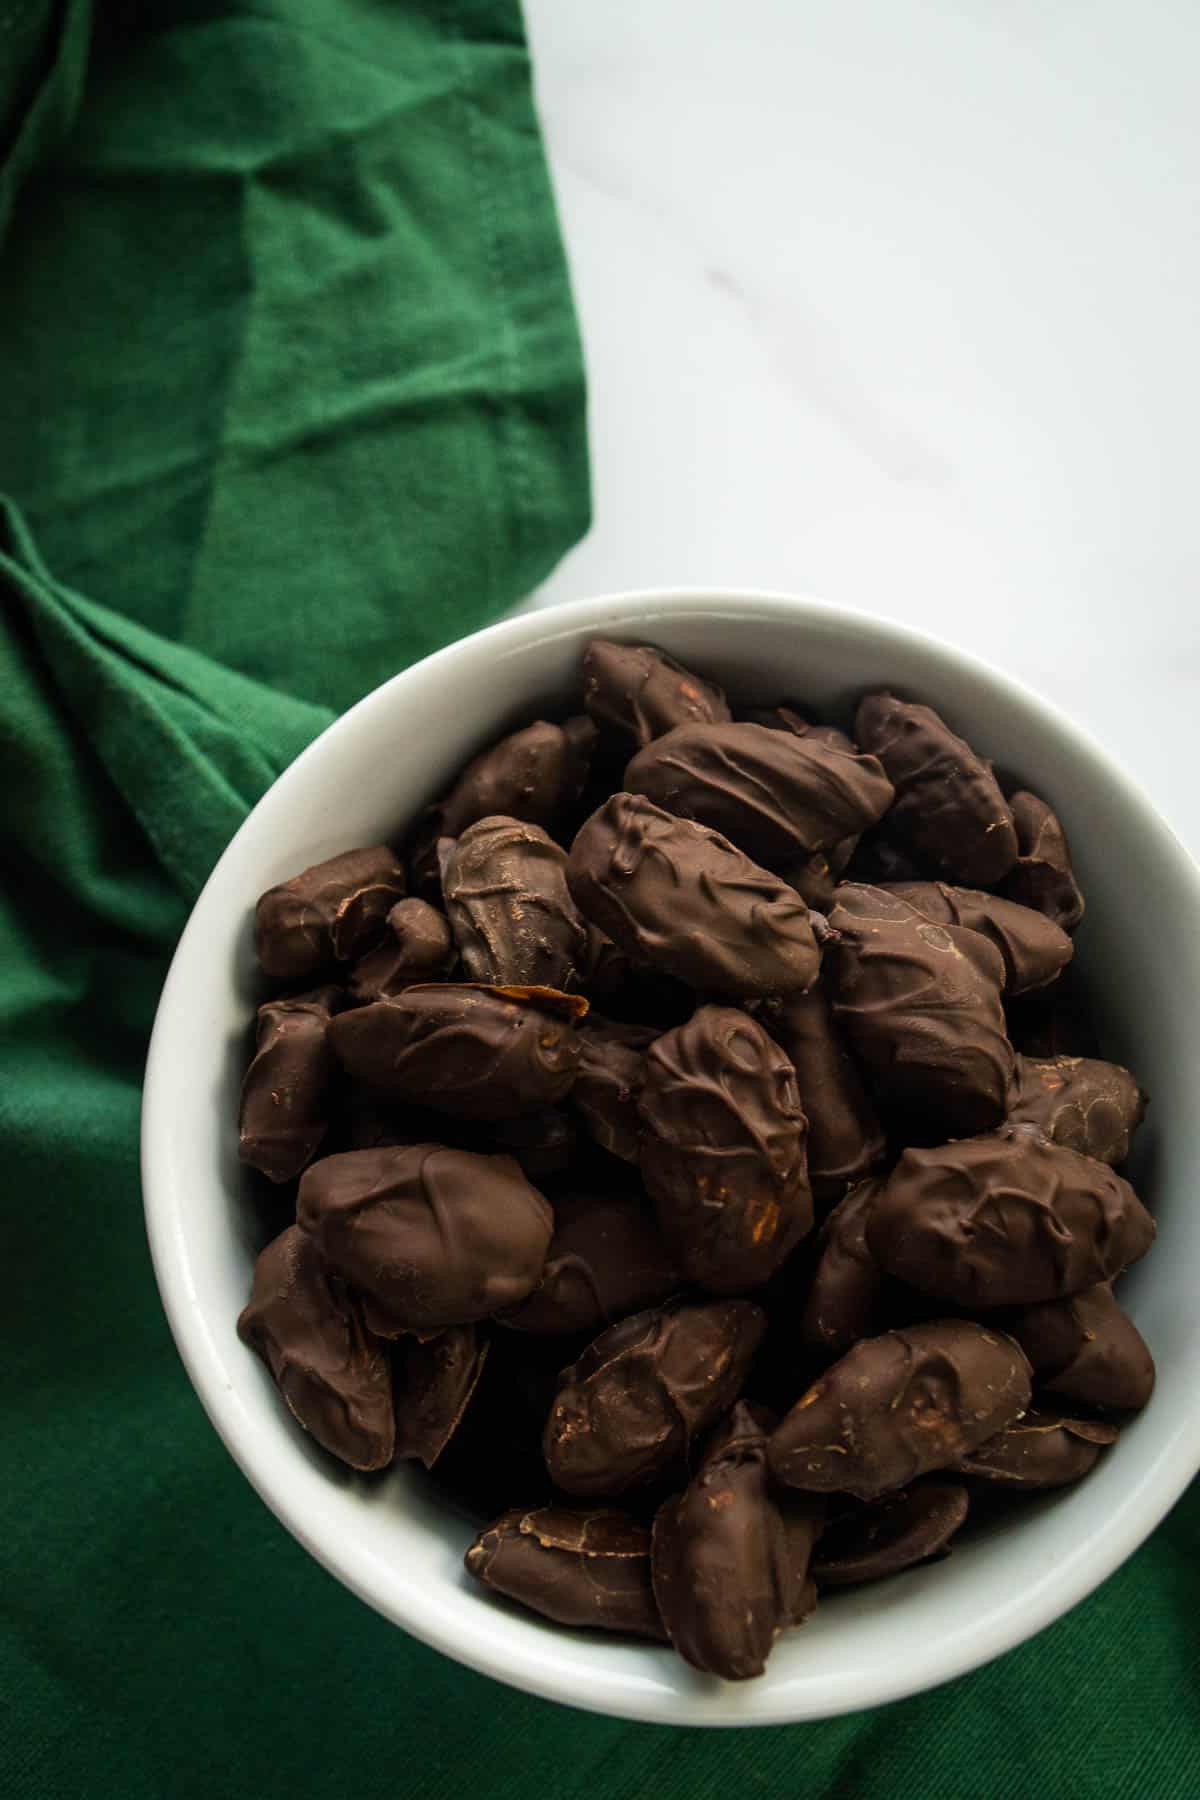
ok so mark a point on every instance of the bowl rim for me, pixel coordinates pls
(1020, 1618)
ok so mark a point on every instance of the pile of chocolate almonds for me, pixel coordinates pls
(698, 1157)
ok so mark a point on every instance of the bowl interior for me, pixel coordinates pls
(386, 1536)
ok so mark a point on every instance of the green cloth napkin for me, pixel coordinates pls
(289, 393)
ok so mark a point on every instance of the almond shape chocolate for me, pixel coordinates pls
(899, 1406)
(948, 806)
(1005, 1219)
(681, 897)
(723, 1149)
(776, 796)
(509, 907)
(428, 1237)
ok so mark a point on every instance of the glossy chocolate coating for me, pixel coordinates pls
(309, 1330)
(634, 693)
(330, 913)
(588, 1569)
(776, 796)
(416, 947)
(429, 1237)
(1087, 1350)
(1034, 949)
(1042, 876)
(510, 909)
(899, 1406)
(845, 1138)
(1006, 1219)
(476, 1053)
(433, 1379)
(948, 807)
(681, 897)
(1040, 1450)
(1090, 1106)
(607, 1259)
(285, 1100)
(722, 1150)
(844, 1299)
(891, 1534)
(536, 774)
(628, 1410)
(721, 1559)
(612, 1065)
(920, 1005)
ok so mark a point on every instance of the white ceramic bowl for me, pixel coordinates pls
(384, 1537)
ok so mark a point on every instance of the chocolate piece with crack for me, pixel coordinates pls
(330, 913)
(417, 947)
(333, 1372)
(1040, 1450)
(580, 1567)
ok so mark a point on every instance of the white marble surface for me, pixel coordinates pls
(897, 302)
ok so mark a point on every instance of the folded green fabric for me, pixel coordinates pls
(290, 392)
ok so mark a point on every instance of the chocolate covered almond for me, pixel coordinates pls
(433, 1379)
(1005, 1219)
(899, 1406)
(1086, 1349)
(1042, 876)
(888, 1535)
(681, 897)
(606, 1259)
(634, 693)
(628, 1410)
(776, 796)
(723, 1149)
(509, 907)
(844, 1296)
(1090, 1106)
(920, 1005)
(722, 1562)
(1034, 948)
(286, 1092)
(1039, 1450)
(333, 1372)
(329, 913)
(428, 1237)
(845, 1137)
(588, 1568)
(475, 1052)
(417, 946)
(612, 1066)
(948, 806)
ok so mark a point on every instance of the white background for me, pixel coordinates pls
(899, 303)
